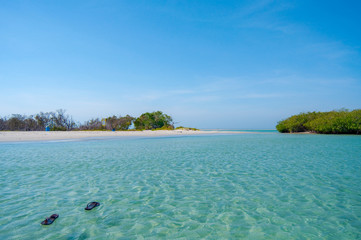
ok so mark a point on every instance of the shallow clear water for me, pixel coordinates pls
(250, 186)
(241, 130)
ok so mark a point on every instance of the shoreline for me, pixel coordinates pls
(30, 136)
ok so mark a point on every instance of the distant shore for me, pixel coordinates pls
(22, 136)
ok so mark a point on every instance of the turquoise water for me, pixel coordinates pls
(249, 186)
(240, 130)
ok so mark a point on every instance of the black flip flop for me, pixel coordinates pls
(50, 219)
(92, 205)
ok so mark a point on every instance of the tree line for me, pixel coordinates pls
(334, 122)
(60, 121)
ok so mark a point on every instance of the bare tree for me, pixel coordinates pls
(93, 124)
(60, 121)
(3, 124)
(69, 123)
(30, 124)
(43, 120)
(16, 123)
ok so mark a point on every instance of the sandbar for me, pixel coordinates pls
(23, 136)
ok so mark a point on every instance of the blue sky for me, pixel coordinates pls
(208, 64)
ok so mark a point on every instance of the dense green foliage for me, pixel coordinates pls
(334, 122)
(154, 120)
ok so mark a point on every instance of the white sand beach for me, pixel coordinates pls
(21, 136)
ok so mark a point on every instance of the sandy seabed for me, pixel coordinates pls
(21, 136)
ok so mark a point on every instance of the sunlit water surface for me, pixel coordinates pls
(248, 186)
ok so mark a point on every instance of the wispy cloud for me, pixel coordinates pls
(331, 50)
(218, 90)
(261, 95)
(265, 15)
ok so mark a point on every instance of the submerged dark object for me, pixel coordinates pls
(92, 205)
(50, 219)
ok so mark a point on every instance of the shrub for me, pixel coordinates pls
(333, 122)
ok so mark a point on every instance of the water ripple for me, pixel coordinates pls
(254, 186)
